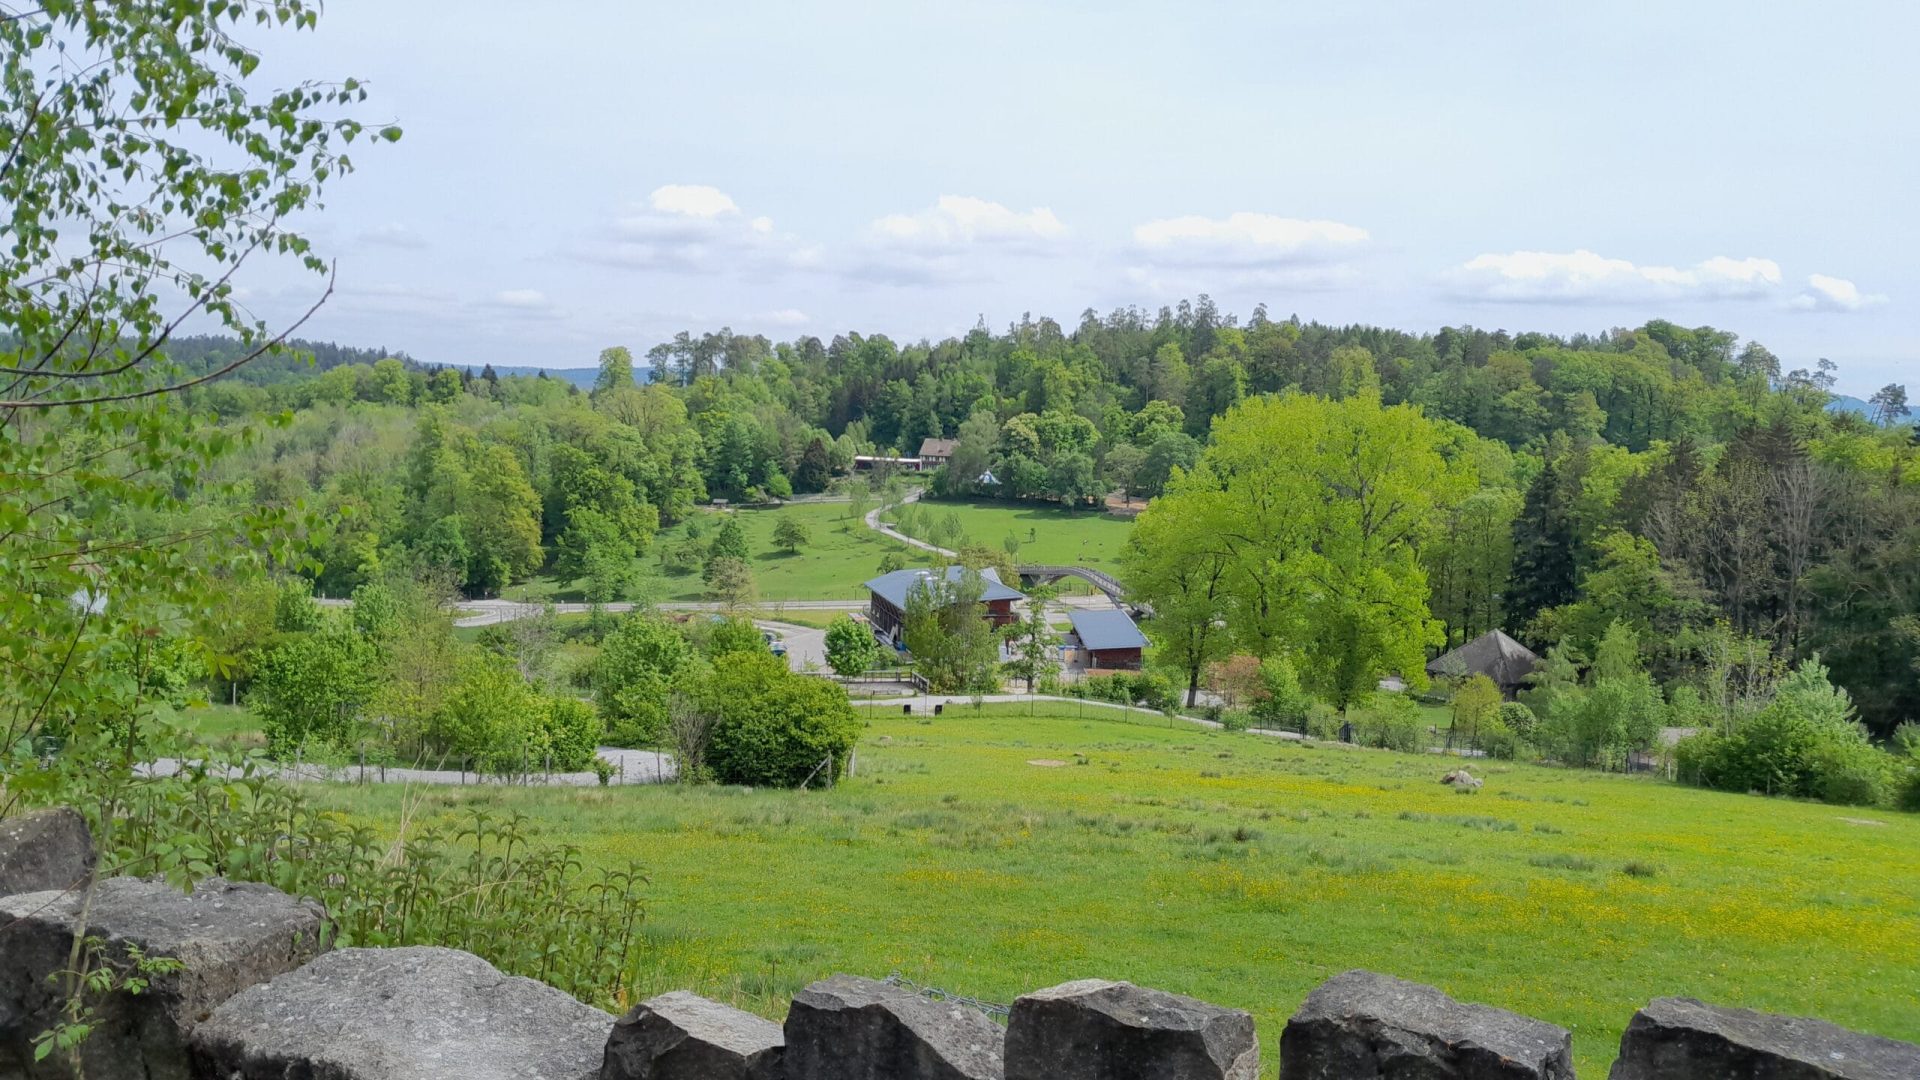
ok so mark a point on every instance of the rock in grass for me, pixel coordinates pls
(47, 849)
(846, 1028)
(1099, 1030)
(1363, 1026)
(683, 1036)
(416, 1013)
(228, 936)
(1680, 1039)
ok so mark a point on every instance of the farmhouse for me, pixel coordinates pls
(1493, 654)
(936, 452)
(887, 598)
(1110, 638)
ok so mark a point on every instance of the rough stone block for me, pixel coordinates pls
(416, 1013)
(1099, 1030)
(229, 936)
(1681, 1039)
(682, 1036)
(846, 1028)
(1363, 1026)
(47, 849)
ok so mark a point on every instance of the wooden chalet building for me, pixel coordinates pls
(1111, 640)
(936, 452)
(887, 598)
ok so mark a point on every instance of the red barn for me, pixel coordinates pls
(887, 598)
(1109, 637)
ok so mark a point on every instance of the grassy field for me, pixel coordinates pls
(842, 553)
(1047, 534)
(991, 853)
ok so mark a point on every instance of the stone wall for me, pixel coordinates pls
(260, 997)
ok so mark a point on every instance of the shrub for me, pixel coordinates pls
(1518, 719)
(1390, 722)
(1235, 720)
(1322, 721)
(638, 664)
(1804, 743)
(1909, 794)
(1281, 704)
(773, 727)
(570, 730)
(1498, 740)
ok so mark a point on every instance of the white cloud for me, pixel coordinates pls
(693, 228)
(783, 317)
(1585, 277)
(1825, 293)
(960, 220)
(393, 234)
(692, 200)
(1245, 239)
(954, 240)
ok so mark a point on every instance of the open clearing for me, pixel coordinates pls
(1048, 535)
(841, 553)
(1245, 870)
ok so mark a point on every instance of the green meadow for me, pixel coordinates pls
(1047, 534)
(995, 851)
(841, 552)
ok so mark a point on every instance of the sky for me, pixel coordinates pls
(582, 174)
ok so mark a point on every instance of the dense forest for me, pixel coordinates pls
(1666, 476)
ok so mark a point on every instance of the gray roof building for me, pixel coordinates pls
(1493, 654)
(894, 588)
(1101, 630)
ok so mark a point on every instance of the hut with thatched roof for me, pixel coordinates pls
(1493, 654)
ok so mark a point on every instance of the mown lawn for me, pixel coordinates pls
(841, 553)
(1245, 870)
(1047, 534)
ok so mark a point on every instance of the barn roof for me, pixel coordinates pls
(1107, 628)
(895, 587)
(1493, 654)
(937, 447)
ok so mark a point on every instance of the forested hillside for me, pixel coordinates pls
(1671, 479)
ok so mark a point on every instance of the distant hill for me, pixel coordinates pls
(581, 377)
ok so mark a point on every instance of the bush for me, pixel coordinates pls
(1909, 793)
(1804, 743)
(1282, 705)
(638, 664)
(773, 727)
(1389, 722)
(1497, 740)
(570, 730)
(1322, 721)
(1518, 719)
(1852, 773)
(1236, 720)
(1143, 688)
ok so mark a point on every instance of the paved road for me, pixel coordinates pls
(489, 612)
(632, 767)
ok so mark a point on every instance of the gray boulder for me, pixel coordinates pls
(48, 849)
(682, 1036)
(1362, 1026)
(845, 1028)
(401, 1014)
(1683, 1039)
(227, 935)
(1099, 1030)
